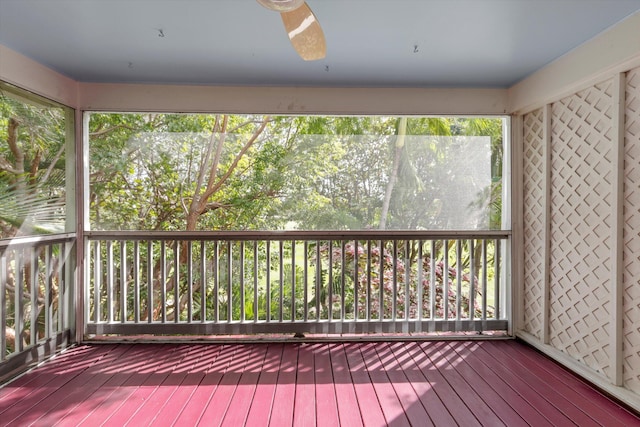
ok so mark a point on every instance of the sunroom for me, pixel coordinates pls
(415, 213)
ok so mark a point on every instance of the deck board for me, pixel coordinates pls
(448, 399)
(412, 406)
(389, 401)
(240, 404)
(63, 362)
(492, 398)
(162, 396)
(436, 410)
(382, 383)
(154, 374)
(325, 387)
(223, 395)
(192, 411)
(185, 391)
(370, 407)
(263, 398)
(508, 388)
(282, 411)
(348, 407)
(44, 396)
(127, 374)
(73, 393)
(304, 410)
(469, 398)
(582, 394)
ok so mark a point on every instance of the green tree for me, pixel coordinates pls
(32, 168)
(32, 201)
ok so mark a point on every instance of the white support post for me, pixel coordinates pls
(617, 220)
(72, 280)
(80, 162)
(546, 232)
(514, 258)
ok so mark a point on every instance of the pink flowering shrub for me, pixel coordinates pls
(369, 282)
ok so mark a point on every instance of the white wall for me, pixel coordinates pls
(579, 276)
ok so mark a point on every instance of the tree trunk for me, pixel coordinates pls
(208, 185)
(399, 146)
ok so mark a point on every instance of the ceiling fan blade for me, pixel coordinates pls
(305, 33)
(281, 5)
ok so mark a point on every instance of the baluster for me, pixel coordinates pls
(242, 284)
(484, 279)
(150, 281)
(163, 279)
(356, 282)
(306, 281)
(293, 280)
(136, 281)
(110, 288)
(123, 281)
(3, 304)
(176, 281)
(216, 281)
(421, 284)
(268, 288)
(256, 309)
(97, 282)
(281, 280)
(189, 281)
(203, 282)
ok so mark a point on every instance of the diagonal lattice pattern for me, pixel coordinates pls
(533, 168)
(580, 247)
(631, 233)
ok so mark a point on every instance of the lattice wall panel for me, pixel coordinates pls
(533, 166)
(631, 251)
(580, 256)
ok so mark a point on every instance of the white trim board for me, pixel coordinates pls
(291, 100)
(624, 395)
(32, 76)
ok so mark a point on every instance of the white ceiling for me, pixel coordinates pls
(391, 43)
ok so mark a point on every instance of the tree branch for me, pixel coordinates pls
(53, 163)
(195, 201)
(216, 160)
(211, 190)
(101, 132)
(6, 166)
(12, 140)
(35, 166)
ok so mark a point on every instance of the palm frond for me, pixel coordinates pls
(31, 212)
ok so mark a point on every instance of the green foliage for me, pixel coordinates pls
(301, 172)
(32, 167)
(244, 172)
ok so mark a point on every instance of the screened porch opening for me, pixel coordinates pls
(296, 225)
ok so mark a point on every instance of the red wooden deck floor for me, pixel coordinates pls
(400, 383)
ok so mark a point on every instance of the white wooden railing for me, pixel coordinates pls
(36, 298)
(295, 282)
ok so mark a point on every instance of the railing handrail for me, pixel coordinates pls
(246, 282)
(298, 235)
(37, 303)
(36, 240)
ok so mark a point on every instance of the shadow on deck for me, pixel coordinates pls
(494, 382)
